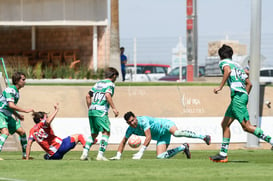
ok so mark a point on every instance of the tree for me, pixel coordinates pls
(114, 37)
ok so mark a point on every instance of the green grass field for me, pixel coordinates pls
(243, 165)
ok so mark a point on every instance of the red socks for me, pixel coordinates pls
(81, 139)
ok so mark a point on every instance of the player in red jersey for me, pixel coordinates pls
(43, 134)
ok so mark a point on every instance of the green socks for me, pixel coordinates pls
(103, 143)
(3, 138)
(260, 134)
(188, 134)
(23, 141)
(170, 153)
(224, 147)
(88, 144)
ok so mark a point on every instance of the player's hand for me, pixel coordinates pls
(137, 156)
(116, 112)
(56, 106)
(216, 90)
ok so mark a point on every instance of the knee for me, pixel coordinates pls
(22, 133)
(247, 128)
(5, 131)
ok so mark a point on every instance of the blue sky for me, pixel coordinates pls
(145, 18)
(216, 19)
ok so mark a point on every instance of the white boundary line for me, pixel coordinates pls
(9, 179)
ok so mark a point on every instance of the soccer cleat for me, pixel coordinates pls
(84, 157)
(219, 158)
(101, 158)
(187, 150)
(207, 139)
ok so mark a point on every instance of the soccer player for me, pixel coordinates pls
(158, 129)
(43, 134)
(8, 108)
(240, 87)
(98, 100)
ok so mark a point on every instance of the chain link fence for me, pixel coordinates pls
(160, 49)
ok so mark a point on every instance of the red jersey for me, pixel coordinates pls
(45, 137)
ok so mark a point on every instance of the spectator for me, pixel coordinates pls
(123, 61)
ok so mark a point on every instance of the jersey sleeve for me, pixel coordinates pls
(129, 132)
(9, 93)
(144, 123)
(110, 89)
(222, 64)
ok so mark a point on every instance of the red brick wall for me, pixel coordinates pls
(15, 38)
(57, 38)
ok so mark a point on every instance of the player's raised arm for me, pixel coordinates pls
(52, 116)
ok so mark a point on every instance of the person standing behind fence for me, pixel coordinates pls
(98, 100)
(123, 61)
(8, 108)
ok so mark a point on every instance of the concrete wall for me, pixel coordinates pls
(159, 101)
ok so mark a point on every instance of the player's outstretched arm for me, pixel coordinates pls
(120, 149)
(19, 109)
(148, 138)
(28, 148)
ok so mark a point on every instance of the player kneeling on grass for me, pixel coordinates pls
(43, 134)
(156, 129)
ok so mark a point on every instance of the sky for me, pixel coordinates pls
(144, 18)
(167, 18)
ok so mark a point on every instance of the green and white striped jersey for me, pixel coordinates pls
(10, 94)
(236, 80)
(99, 105)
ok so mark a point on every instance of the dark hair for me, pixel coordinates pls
(37, 116)
(110, 72)
(122, 48)
(128, 115)
(16, 77)
(225, 52)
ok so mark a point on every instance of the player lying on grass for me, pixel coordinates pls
(10, 119)
(156, 129)
(43, 134)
